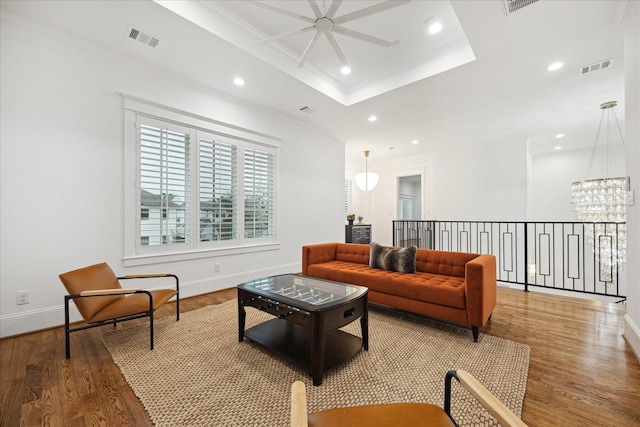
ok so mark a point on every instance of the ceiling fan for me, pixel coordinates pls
(328, 24)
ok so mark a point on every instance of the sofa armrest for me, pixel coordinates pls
(481, 292)
(316, 254)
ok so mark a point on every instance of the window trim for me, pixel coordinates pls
(133, 254)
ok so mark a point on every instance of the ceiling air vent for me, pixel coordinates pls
(307, 110)
(511, 6)
(145, 38)
(596, 67)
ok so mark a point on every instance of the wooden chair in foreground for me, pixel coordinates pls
(101, 300)
(400, 414)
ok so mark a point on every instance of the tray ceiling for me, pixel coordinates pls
(413, 53)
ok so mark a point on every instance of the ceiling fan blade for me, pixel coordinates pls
(308, 50)
(284, 35)
(362, 36)
(282, 11)
(336, 48)
(333, 8)
(380, 7)
(315, 8)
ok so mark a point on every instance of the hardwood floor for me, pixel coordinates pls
(581, 372)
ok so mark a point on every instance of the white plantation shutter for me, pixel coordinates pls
(259, 206)
(218, 190)
(195, 189)
(348, 198)
(164, 185)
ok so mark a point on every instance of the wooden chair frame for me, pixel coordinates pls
(299, 415)
(118, 291)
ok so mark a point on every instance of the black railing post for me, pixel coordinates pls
(526, 257)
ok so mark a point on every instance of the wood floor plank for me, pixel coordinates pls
(8, 363)
(11, 402)
(581, 372)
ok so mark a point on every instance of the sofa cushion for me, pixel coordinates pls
(352, 252)
(433, 288)
(443, 262)
(402, 260)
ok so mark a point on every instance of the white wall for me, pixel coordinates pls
(488, 182)
(632, 138)
(62, 173)
(485, 183)
(552, 174)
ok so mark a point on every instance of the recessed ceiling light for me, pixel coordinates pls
(433, 25)
(560, 135)
(435, 28)
(414, 142)
(555, 66)
(238, 81)
(557, 147)
(345, 70)
(372, 118)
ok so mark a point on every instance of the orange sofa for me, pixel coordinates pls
(452, 286)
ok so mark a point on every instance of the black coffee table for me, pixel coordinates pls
(308, 314)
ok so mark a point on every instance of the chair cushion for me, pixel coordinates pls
(394, 414)
(132, 304)
(94, 277)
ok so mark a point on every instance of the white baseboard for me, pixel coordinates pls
(53, 316)
(632, 335)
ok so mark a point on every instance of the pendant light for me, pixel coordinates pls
(601, 204)
(366, 181)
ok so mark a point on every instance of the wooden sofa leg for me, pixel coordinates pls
(476, 333)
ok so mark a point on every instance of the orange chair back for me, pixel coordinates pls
(94, 277)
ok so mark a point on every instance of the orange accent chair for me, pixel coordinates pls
(101, 300)
(400, 414)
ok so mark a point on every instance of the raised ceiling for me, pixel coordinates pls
(385, 44)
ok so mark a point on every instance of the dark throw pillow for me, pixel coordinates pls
(402, 260)
(377, 255)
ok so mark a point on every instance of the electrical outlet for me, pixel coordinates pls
(23, 297)
(216, 268)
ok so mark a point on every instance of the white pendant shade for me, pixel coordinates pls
(367, 181)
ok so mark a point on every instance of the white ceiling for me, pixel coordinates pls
(505, 94)
(411, 56)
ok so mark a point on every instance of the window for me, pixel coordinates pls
(348, 198)
(218, 191)
(405, 207)
(258, 193)
(164, 184)
(198, 189)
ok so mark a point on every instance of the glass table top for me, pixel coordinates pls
(301, 288)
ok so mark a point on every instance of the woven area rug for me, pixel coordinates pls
(200, 375)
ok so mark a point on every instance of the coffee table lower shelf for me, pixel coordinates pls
(294, 342)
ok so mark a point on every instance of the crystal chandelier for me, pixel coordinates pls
(601, 204)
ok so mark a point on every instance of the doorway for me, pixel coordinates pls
(410, 197)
